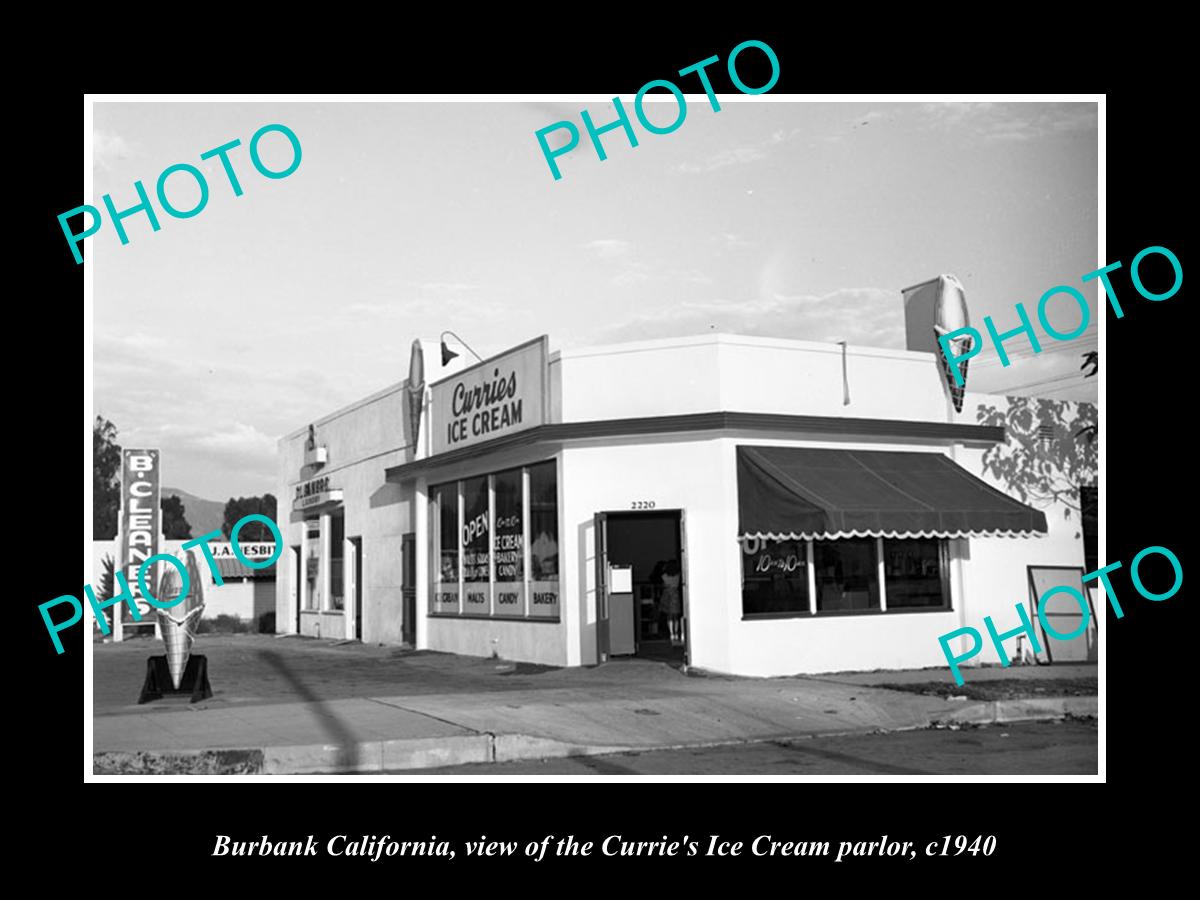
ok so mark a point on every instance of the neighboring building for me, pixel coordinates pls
(827, 504)
(247, 594)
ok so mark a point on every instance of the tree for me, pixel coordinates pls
(237, 508)
(174, 522)
(106, 479)
(1089, 359)
(1042, 461)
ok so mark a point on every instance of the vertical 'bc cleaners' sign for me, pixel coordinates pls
(140, 516)
(493, 398)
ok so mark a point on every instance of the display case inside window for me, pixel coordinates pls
(443, 527)
(543, 547)
(774, 577)
(847, 575)
(916, 573)
(476, 532)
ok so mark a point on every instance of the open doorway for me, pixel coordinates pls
(640, 549)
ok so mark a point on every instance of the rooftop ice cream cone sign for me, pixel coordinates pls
(416, 389)
(933, 309)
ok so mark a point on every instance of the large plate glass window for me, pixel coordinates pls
(847, 575)
(916, 573)
(476, 541)
(774, 576)
(508, 543)
(445, 556)
(543, 537)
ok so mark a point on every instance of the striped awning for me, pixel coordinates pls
(232, 567)
(802, 493)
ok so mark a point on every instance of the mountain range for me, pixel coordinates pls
(203, 515)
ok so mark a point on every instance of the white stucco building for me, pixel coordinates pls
(827, 506)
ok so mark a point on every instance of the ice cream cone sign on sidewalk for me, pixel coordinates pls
(179, 624)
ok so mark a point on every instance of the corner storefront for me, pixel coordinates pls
(827, 506)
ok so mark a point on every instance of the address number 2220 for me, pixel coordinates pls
(643, 504)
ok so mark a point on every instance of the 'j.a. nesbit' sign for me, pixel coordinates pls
(493, 398)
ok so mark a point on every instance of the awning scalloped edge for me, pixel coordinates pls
(834, 535)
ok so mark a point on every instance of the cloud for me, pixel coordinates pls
(865, 316)
(631, 270)
(735, 156)
(1011, 121)
(609, 248)
(108, 148)
(447, 287)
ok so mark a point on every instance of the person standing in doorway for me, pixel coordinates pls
(672, 600)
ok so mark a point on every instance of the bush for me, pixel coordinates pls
(266, 623)
(224, 624)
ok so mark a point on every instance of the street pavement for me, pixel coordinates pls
(291, 705)
(1064, 747)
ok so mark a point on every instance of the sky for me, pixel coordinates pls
(219, 333)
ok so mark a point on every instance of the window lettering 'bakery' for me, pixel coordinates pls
(825, 507)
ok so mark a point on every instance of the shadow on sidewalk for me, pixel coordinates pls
(340, 735)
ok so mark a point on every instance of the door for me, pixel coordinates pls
(601, 530)
(408, 588)
(355, 587)
(683, 589)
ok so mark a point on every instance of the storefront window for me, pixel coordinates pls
(847, 575)
(476, 530)
(444, 528)
(312, 565)
(336, 558)
(916, 573)
(543, 531)
(774, 577)
(506, 539)
(508, 543)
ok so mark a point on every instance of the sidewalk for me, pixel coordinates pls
(287, 706)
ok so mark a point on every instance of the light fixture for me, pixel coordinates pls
(448, 354)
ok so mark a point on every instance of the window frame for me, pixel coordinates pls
(456, 486)
(945, 561)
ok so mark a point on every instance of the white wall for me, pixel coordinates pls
(738, 373)
(362, 440)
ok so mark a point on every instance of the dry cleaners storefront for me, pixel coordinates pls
(823, 505)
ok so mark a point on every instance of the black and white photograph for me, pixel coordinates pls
(518, 438)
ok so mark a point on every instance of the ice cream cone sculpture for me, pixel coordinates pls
(179, 630)
(178, 635)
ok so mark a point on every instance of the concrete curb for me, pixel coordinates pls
(430, 753)
(998, 712)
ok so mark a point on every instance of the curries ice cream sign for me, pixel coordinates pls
(494, 398)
